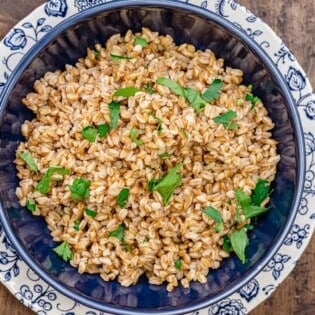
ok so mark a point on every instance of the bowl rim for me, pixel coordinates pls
(257, 51)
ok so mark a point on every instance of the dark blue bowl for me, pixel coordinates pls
(185, 23)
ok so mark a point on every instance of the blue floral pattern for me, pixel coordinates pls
(250, 290)
(56, 8)
(228, 306)
(44, 300)
(297, 235)
(276, 265)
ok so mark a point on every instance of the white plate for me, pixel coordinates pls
(37, 295)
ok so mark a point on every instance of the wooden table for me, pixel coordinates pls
(294, 22)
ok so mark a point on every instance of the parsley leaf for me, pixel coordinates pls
(90, 213)
(134, 136)
(227, 246)
(226, 119)
(80, 189)
(213, 91)
(253, 99)
(141, 41)
(159, 126)
(89, 133)
(117, 58)
(30, 205)
(172, 85)
(260, 192)
(178, 264)
(28, 159)
(164, 155)
(103, 130)
(123, 197)
(43, 184)
(193, 97)
(152, 183)
(64, 251)
(127, 91)
(148, 88)
(118, 233)
(166, 185)
(215, 215)
(114, 111)
(253, 211)
(76, 225)
(239, 241)
(242, 198)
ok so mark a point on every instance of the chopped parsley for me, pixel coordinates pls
(89, 133)
(159, 121)
(90, 213)
(178, 264)
(30, 205)
(103, 130)
(114, 111)
(141, 41)
(239, 241)
(134, 136)
(227, 246)
(213, 91)
(226, 119)
(197, 101)
(148, 88)
(117, 58)
(215, 215)
(80, 189)
(253, 99)
(122, 197)
(166, 185)
(164, 155)
(43, 184)
(76, 225)
(260, 192)
(26, 156)
(127, 91)
(118, 233)
(64, 251)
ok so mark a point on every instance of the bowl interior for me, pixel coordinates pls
(204, 30)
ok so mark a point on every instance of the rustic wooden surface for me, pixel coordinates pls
(294, 22)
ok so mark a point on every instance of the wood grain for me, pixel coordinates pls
(294, 22)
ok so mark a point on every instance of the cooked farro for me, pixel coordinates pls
(157, 129)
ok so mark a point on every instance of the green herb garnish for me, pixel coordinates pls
(164, 155)
(141, 41)
(43, 184)
(215, 215)
(30, 205)
(28, 159)
(213, 91)
(172, 85)
(127, 91)
(64, 251)
(239, 241)
(166, 185)
(260, 192)
(114, 111)
(118, 233)
(90, 213)
(148, 88)
(178, 264)
(80, 189)
(134, 136)
(227, 246)
(226, 119)
(76, 225)
(103, 130)
(123, 197)
(253, 99)
(117, 58)
(159, 121)
(184, 132)
(89, 133)
(195, 100)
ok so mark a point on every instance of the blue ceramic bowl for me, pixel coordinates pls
(185, 23)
